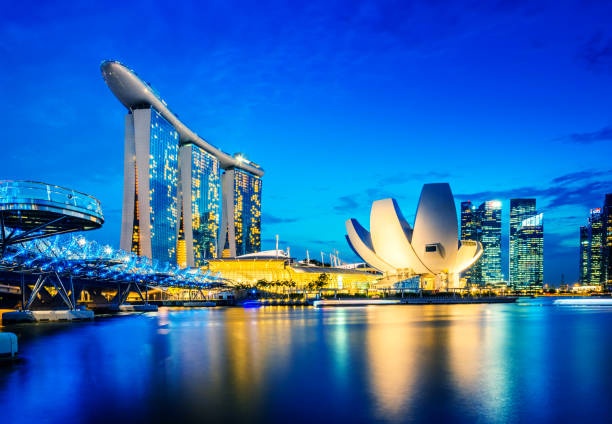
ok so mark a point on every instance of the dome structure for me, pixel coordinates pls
(431, 249)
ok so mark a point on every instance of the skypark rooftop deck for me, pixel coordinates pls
(133, 93)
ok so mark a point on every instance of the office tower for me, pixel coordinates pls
(520, 209)
(470, 231)
(529, 251)
(585, 248)
(240, 214)
(171, 214)
(607, 242)
(150, 201)
(469, 221)
(200, 182)
(490, 236)
(595, 247)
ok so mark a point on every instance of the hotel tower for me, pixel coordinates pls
(184, 200)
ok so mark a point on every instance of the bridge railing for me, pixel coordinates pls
(30, 192)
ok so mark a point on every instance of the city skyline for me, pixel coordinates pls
(308, 107)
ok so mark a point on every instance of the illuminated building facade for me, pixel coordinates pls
(489, 264)
(252, 270)
(430, 249)
(520, 209)
(200, 181)
(596, 247)
(529, 253)
(241, 214)
(171, 205)
(584, 255)
(469, 231)
(607, 241)
(150, 192)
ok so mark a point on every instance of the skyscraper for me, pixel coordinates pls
(529, 251)
(490, 237)
(520, 209)
(200, 203)
(585, 248)
(170, 203)
(241, 213)
(470, 224)
(596, 268)
(150, 191)
(607, 241)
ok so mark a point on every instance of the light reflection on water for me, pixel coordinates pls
(465, 363)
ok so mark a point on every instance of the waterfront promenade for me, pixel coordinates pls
(522, 362)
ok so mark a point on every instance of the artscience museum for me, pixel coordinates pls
(430, 249)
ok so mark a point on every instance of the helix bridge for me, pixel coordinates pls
(45, 257)
(71, 263)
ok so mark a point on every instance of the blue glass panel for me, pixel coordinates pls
(163, 174)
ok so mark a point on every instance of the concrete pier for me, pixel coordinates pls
(8, 345)
(14, 317)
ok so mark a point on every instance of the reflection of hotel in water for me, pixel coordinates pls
(184, 200)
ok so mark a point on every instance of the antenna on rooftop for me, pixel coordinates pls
(277, 246)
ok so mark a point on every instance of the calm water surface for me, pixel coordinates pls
(435, 363)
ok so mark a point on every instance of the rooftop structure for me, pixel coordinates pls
(135, 93)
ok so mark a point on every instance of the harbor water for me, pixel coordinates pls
(484, 363)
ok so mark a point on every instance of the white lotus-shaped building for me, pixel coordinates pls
(431, 249)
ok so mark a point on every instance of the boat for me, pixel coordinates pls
(251, 304)
(598, 301)
(354, 302)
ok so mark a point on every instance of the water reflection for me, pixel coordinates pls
(437, 363)
(393, 360)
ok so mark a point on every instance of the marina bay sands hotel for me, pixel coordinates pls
(184, 200)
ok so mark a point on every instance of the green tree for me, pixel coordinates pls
(262, 283)
(321, 281)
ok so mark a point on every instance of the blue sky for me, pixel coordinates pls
(342, 103)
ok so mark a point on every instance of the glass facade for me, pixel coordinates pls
(136, 222)
(470, 231)
(483, 224)
(595, 247)
(584, 255)
(205, 204)
(607, 247)
(176, 201)
(520, 209)
(163, 188)
(529, 253)
(490, 237)
(247, 212)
